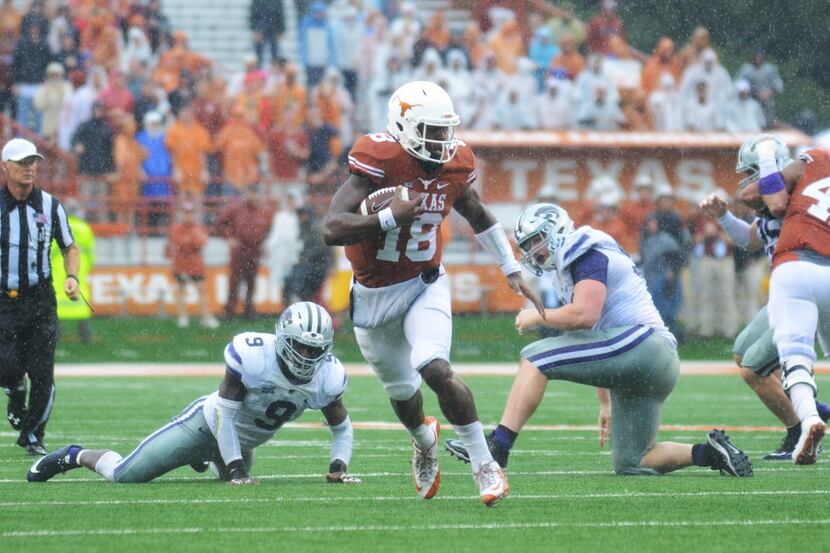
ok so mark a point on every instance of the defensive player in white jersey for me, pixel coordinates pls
(754, 349)
(614, 340)
(400, 295)
(269, 380)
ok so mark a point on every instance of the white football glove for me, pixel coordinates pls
(766, 148)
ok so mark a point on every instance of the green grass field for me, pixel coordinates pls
(564, 495)
(475, 339)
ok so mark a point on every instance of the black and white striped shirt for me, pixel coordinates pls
(26, 232)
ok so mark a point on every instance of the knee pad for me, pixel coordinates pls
(107, 465)
(401, 390)
(798, 374)
(424, 352)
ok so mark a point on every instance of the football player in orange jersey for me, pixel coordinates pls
(799, 302)
(400, 294)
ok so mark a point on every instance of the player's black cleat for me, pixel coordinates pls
(730, 460)
(457, 450)
(57, 462)
(785, 450)
(36, 449)
(200, 466)
(16, 408)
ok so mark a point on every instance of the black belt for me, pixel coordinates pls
(18, 293)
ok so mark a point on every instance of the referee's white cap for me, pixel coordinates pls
(18, 149)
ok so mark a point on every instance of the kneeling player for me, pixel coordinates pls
(615, 341)
(270, 379)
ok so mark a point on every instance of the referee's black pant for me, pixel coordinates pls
(28, 336)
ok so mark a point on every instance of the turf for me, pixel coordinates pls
(564, 495)
(475, 339)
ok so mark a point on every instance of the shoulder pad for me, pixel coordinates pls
(579, 242)
(247, 357)
(333, 378)
(814, 154)
(371, 153)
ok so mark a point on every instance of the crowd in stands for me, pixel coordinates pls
(154, 124)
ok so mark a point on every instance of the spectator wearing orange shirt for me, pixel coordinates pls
(635, 211)
(606, 217)
(245, 224)
(289, 100)
(241, 149)
(189, 144)
(10, 19)
(568, 59)
(102, 40)
(508, 46)
(288, 150)
(129, 156)
(663, 60)
(437, 31)
(474, 44)
(187, 239)
(179, 57)
(252, 100)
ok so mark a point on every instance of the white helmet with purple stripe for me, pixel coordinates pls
(540, 231)
(305, 336)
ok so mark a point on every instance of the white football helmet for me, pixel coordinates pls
(422, 119)
(305, 336)
(748, 157)
(540, 228)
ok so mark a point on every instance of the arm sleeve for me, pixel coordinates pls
(342, 439)
(736, 229)
(224, 429)
(592, 265)
(494, 241)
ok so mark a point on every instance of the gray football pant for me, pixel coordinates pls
(636, 364)
(185, 440)
(755, 345)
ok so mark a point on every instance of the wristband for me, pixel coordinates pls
(337, 465)
(771, 184)
(237, 469)
(387, 220)
(73, 276)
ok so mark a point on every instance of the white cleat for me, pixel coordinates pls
(492, 483)
(425, 469)
(808, 447)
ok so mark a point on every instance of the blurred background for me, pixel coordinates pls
(196, 143)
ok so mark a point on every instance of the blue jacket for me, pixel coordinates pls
(157, 166)
(315, 27)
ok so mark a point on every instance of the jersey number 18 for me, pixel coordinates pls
(424, 229)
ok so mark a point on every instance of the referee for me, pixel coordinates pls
(29, 219)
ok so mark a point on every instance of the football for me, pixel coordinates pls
(380, 199)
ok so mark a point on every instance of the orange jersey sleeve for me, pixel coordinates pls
(403, 253)
(806, 224)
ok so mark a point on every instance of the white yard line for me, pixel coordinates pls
(821, 466)
(615, 524)
(353, 369)
(326, 499)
